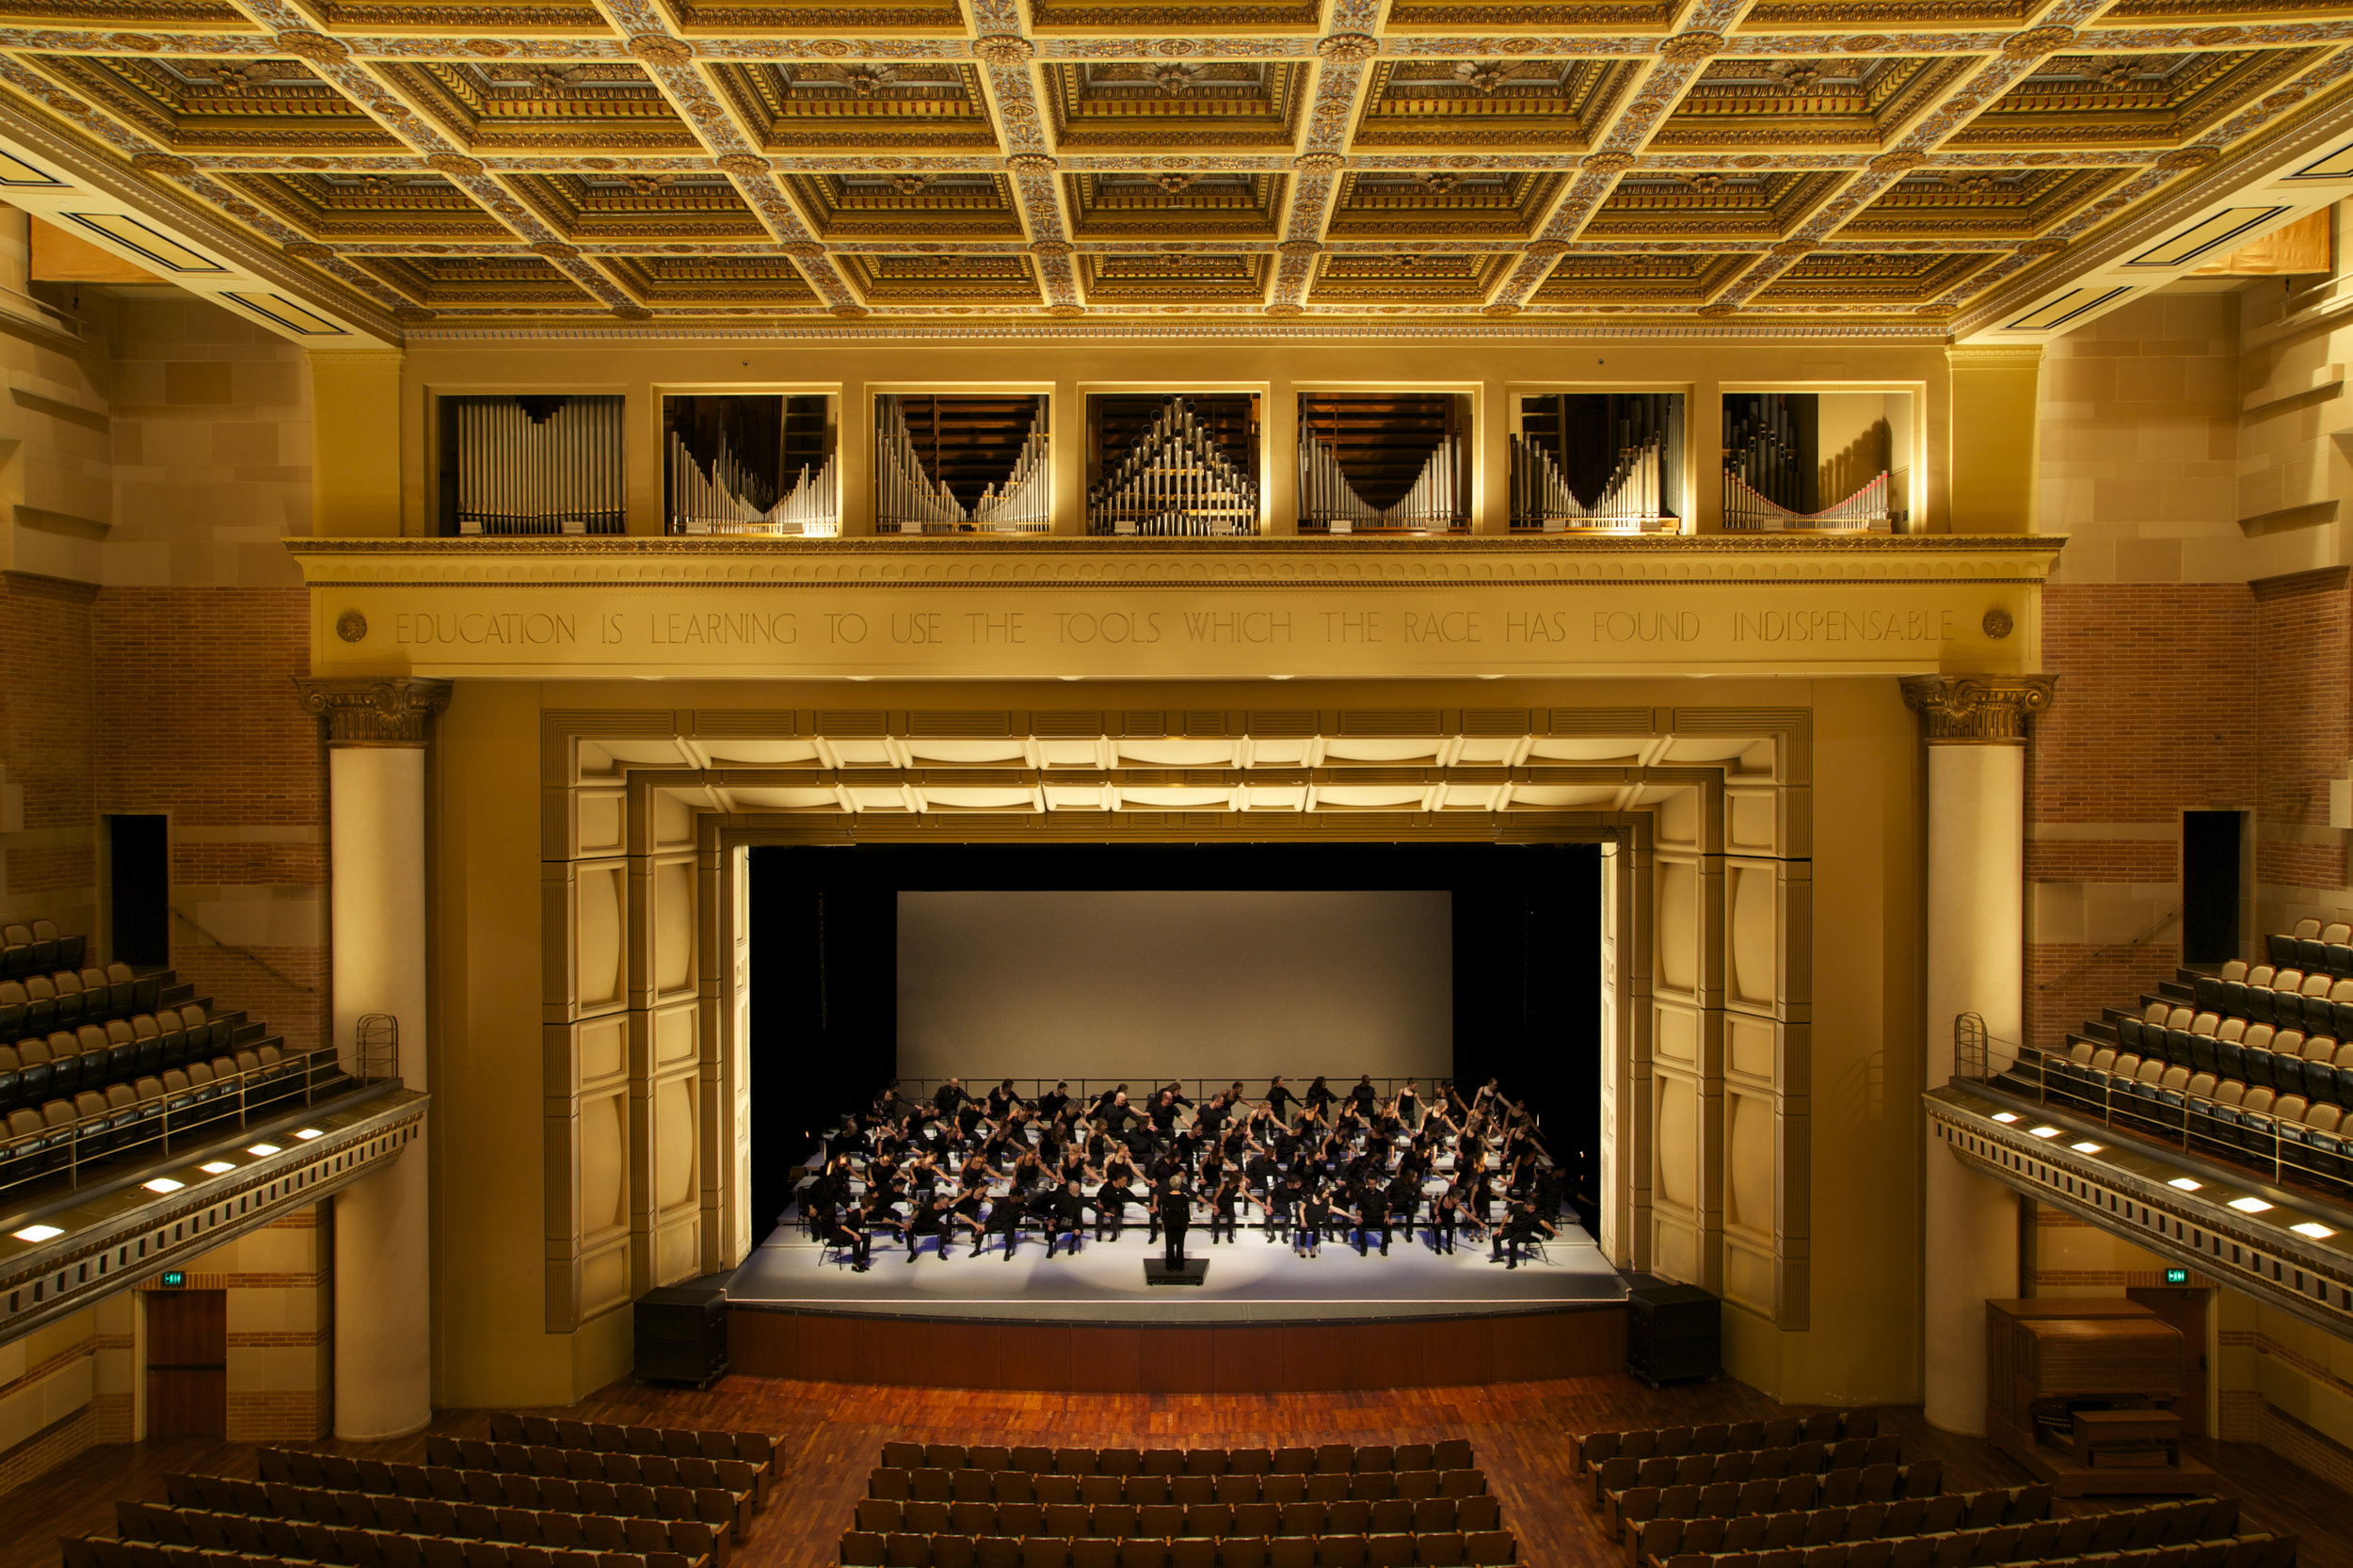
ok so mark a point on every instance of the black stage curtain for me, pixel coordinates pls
(823, 1014)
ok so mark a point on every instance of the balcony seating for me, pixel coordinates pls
(37, 946)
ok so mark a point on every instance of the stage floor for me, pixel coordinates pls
(1250, 1281)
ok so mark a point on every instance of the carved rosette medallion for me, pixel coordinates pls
(661, 49)
(850, 312)
(1003, 49)
(1978, 710)
(1348, 48)
(1282, 307)
(2049, 245)
(1501, 308)
(555, 250)
(1691, 47)
(1795, 247)
(1319, 163)
(1897, 162)
(2035, 42)
(456, 165)
(2188, 157)
(1298, 251)
(806, 250)
(1031, 163)
(1546, 249)
(1051, 248)
(315, 47)
(1066, 308)
(1608, 163)
(745, 163)
(384, 711)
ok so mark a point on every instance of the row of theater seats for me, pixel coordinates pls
(712, 1502)
(1017, 1486)
(35, 1071)
(753, 1447)
(685, 1543)
(1806, 1528)
(428, 1554)
(618, 1466)
(2266, 994)
(1736, 1464)
(1784, 1432)
(2225, 1118)
(61, 999)
(2314, 946)
(861, 1547)
(2289, 1061)
(94, 1125)
(1332, 1459)
(1984, 1549)
(38, 946)
(1625, 1512)
(1161, 1521)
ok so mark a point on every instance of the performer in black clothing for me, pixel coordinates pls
(1067, 1216)
(1405, 1200)
(1445, 1215)
(948, 1096)
(1370, 1214)
(1279, 1099)
(1223, 1199)
(934, 1217)
(1315, 1213)
(1111, 1208)
(1175, 1213)
(1520, 1227)
(1319, 1096)
(1005, 1215)
(1050, 1105)
(1002, 1101)
(1409, 1105)
(1364, 1097)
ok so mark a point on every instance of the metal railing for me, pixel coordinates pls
(2259, 1139)
(150, 1127)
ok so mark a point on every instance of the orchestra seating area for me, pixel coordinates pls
(2251, 1066)
(1337, 1506)
(97, 1061)
(574, 1495)
(1912, 1524)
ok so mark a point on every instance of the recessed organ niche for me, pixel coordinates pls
(1380, 462)
(965, 463)
(531, 463)
(1172, 463)
(1610, 462)
(750, 463)
(1817, 460)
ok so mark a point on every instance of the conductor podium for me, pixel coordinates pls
(1192, 1270)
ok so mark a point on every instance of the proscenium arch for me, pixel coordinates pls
(1704, 814)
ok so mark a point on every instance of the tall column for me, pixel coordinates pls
(1976, 934)
(375, 737)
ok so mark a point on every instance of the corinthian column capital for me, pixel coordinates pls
(374, 711)
(1976, 709)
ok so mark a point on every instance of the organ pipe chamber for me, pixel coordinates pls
(1173, 465)
(1383, 462)
(531, 464)
(751, 464)
(1817, 461)
(1609, 462)
(967, 463)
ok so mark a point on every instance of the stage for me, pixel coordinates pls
(1265, 1320)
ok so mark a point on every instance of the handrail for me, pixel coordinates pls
(246, 953)
(2085, 962)
(2142, 1112)
(89, 1140)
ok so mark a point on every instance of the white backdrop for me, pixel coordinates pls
(1141, 985)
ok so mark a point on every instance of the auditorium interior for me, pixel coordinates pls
(764, 800)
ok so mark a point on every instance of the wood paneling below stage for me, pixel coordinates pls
(1177, 1359)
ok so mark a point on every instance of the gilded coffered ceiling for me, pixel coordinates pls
(1912, 168)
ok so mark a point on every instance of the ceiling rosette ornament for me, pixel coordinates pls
(2035, 42)
(317, 48)
(1004, 49)
(1696, 45)
(661, 49)
(1348, 48)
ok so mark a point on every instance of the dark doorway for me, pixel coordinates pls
(2210, 886)
(1527, 954)
(188, 1363)
(139, 892)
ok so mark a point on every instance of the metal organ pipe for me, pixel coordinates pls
(1765, 482)
(1428, 504)
(557, 473)
(908, 501)
(1174, 479)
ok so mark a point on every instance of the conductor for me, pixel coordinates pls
(1176, 1211)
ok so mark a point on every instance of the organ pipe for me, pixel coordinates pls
(1327, 498)
(908, 499)
(1630, 499)
(530, 465)
(721, 498)
(1745, 508)
(1766, 474)
(1174, 479)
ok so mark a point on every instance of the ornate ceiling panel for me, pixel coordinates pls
(1911, 167)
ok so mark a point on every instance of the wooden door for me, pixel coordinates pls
(188, 1363)
(2186, 1309)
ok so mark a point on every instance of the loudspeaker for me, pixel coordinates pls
(683, 1334)
(1673, 1332)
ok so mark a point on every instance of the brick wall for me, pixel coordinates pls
(198, 687)
(2303, 632)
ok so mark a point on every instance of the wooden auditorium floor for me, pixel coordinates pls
(828, 1435)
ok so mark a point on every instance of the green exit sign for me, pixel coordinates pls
(174, 1278)
(2172, 1276)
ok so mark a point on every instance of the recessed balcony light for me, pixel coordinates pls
(2185, 1184)
(38, 1233)
(2250, 1206)
(2086, 1147)
(2312, 1228)
(2006, 1115)
(310, 1133)
(2044, 1131)
(262, 1151)
(217, 1167)
(163, 1184)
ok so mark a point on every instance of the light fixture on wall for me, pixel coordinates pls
(38, 1233)
(163, 1184)
(2312, 1228)
(2250, 1206)
(2044, 1131)
(217, 1167)
(2085, 1148)
(2185, 1184)
(262, 1151)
